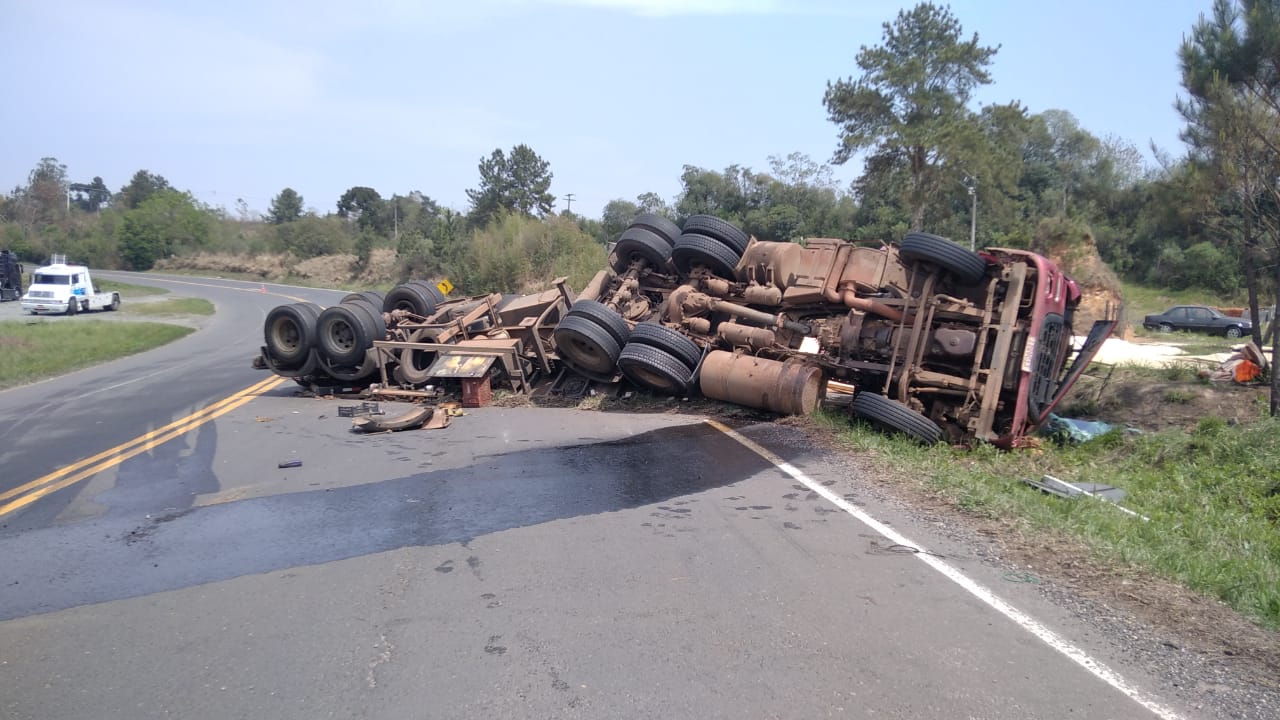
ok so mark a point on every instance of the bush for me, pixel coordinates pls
(313, 236)
(516, 253)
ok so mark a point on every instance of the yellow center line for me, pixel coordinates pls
(90, 466)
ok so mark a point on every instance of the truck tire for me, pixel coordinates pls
(375, 316)
(694, 249)
(115, 302)
(374, 297)
(601, 315)
(73, 306)
(432, 290)
(654, 369)
(894, 416)
(637, 243)
(658, 225)
(367, 369)
(965, 266)
(289, 333)
(669, 341)
(344, 334)
(414, 364)
(717, 229)
(410, 297)
(585, 345)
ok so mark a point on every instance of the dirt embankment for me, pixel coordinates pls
(326, 270)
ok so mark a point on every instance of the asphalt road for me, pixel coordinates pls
(523, 562)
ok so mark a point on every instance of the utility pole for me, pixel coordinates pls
(971, 183)
(568, 199)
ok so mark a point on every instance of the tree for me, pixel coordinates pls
(652, 202)
(141, 187)
(365, 207)
(166, 223)
(615, 218)
(91, 197)
(519, 182)
(44, 198)
(285, 207)
(911, 103)
(1231, 71)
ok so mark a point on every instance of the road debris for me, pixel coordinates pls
(1098, 491)
(289, 464)
(410, 420)
(1246, 365)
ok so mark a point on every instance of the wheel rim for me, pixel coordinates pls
(1233, 332)
(654, 380)
(585, 352)
(342, 335)
(1166, 328)
(285, 334)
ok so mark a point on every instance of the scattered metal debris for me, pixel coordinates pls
(1097, 491)
(364, 408)
(414, 418)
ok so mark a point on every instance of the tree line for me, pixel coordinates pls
(1038, 180)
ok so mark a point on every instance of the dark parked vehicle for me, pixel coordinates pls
(10, 276)
(1197, 318)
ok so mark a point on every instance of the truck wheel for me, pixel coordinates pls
(655, 369)
(432, 290)
(115, 302)
(414, 364)
(715, 228)
(365, 370)
(967, 267)
(658, 225)
(379, 326)
(374, 297)
(410, 297)
(584, 344)
(73, 307)
(894, 416)
(694, 249)
(290, 331)
(343, 334)
(669, 341)
(638, 243)
(601, 315)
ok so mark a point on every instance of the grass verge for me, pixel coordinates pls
(34, 350)
(128, 291)
(1142, 300)
(1212, 496)
(175, 306)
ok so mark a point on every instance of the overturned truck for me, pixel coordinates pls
(926, 337)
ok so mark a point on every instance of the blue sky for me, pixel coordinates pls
(239, 99)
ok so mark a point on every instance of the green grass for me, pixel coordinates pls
(1141, 300)
(38, 349)
(1212, 495)
(175, 306)
(128, 291)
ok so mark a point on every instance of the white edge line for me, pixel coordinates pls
(1026, 622)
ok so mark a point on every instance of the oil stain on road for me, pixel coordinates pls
(116, 556)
